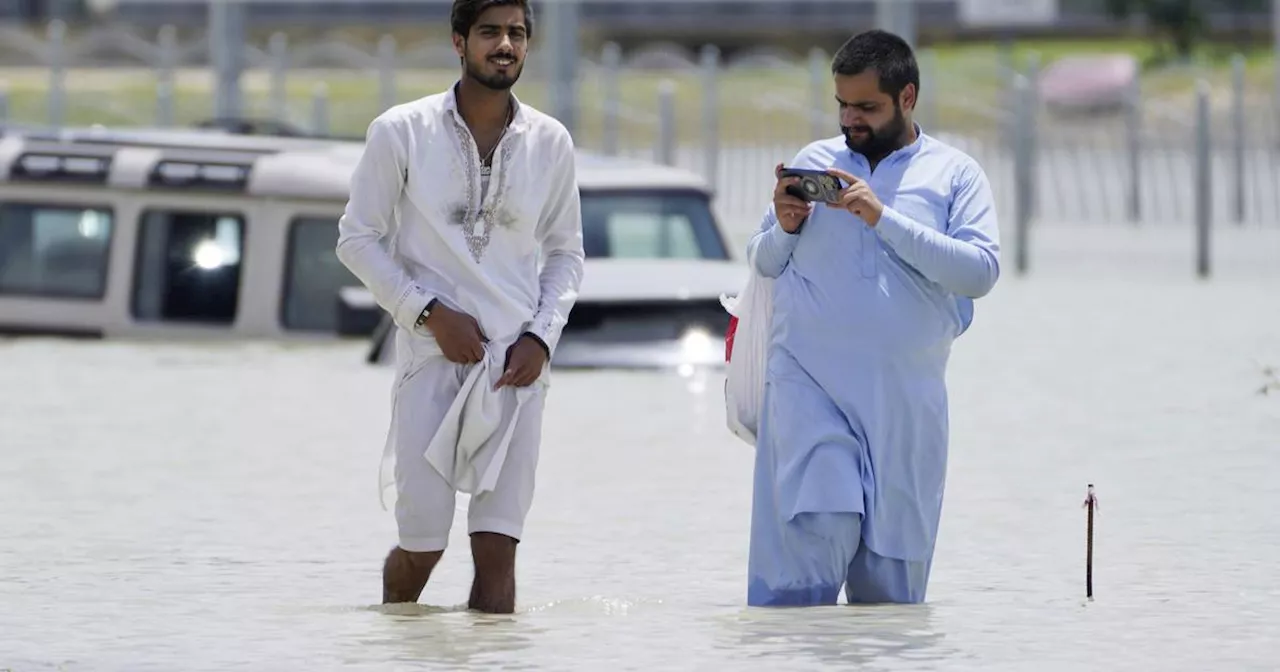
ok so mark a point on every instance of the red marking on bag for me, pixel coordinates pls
(728, 338)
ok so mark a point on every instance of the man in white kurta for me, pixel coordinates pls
(430, 225)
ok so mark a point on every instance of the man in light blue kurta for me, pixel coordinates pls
(870, 292)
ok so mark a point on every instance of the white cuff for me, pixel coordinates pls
(410, 306)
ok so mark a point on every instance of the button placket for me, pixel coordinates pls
(870, 249)
(870, 242)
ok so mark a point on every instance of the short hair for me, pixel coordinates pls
(889, 55)
(465, 13)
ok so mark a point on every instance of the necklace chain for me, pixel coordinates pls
(486, 162)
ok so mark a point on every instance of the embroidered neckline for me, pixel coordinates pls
(478, 241)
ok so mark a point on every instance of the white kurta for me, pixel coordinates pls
(422, 224)
(417, 226)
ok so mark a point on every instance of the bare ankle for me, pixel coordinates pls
(494, 588)
(405, 574)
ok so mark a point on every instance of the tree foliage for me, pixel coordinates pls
(1179, 23)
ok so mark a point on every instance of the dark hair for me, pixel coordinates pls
(889, 55)
(466, 12)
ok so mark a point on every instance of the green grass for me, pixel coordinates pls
(1214, 54)
(1210, 60)
(964, 92)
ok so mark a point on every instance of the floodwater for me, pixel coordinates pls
(183, 507)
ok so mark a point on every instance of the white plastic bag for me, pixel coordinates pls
(747, 345)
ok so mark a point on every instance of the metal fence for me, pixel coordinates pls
(1156, 159)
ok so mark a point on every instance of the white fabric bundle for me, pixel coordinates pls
(748, 355)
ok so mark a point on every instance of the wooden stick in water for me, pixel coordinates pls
(1090, 503)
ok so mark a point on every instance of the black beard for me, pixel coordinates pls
(879, 144)
(497, 81)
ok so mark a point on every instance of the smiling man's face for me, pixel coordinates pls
(493, 53)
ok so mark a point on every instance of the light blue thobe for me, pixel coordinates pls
(852, 448)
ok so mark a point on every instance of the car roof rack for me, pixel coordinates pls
(55, 162)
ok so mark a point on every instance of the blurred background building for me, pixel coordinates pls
(1106, 126)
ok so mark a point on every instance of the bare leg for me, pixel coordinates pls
(405, 574)
(494, 588)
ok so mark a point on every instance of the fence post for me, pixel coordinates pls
(278, 62)
(4, 102)
(711, 112)
(320, 109)
(1238, 133)
(164, 103)
(387, 71)
(899, 18)
(1133, 131)
(57, 73)
(561, 22)
(611, 62)
(1203, 187)
(226, 46)
(1006, 65)
(165, 93)
(927, 98)
(1023, 137)
(666, 149)
(1275, 51)
(818, 98)
(1032, 132)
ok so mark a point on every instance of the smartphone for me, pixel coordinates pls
(816, 186)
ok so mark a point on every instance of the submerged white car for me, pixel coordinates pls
(658, 261)
(185, 235)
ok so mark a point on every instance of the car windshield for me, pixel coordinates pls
(650, 225)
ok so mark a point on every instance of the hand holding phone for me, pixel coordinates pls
(812, 186)
(791, 209)
(857, 198)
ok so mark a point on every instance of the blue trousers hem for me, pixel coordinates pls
(761, 595)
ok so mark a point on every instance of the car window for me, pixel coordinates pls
(54, 250)
(650, 225)
(189, 266)
(314, 276)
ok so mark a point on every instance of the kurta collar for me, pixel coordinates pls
(519, 121)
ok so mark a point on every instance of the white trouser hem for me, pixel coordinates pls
(495, 525)
(423, 544)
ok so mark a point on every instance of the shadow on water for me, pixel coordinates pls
(842, 634)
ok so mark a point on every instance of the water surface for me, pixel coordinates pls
(214, 507)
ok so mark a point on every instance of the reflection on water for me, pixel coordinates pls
(187, 507)
(455, 639)
(841, 636)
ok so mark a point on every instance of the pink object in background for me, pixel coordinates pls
(1088, 82)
